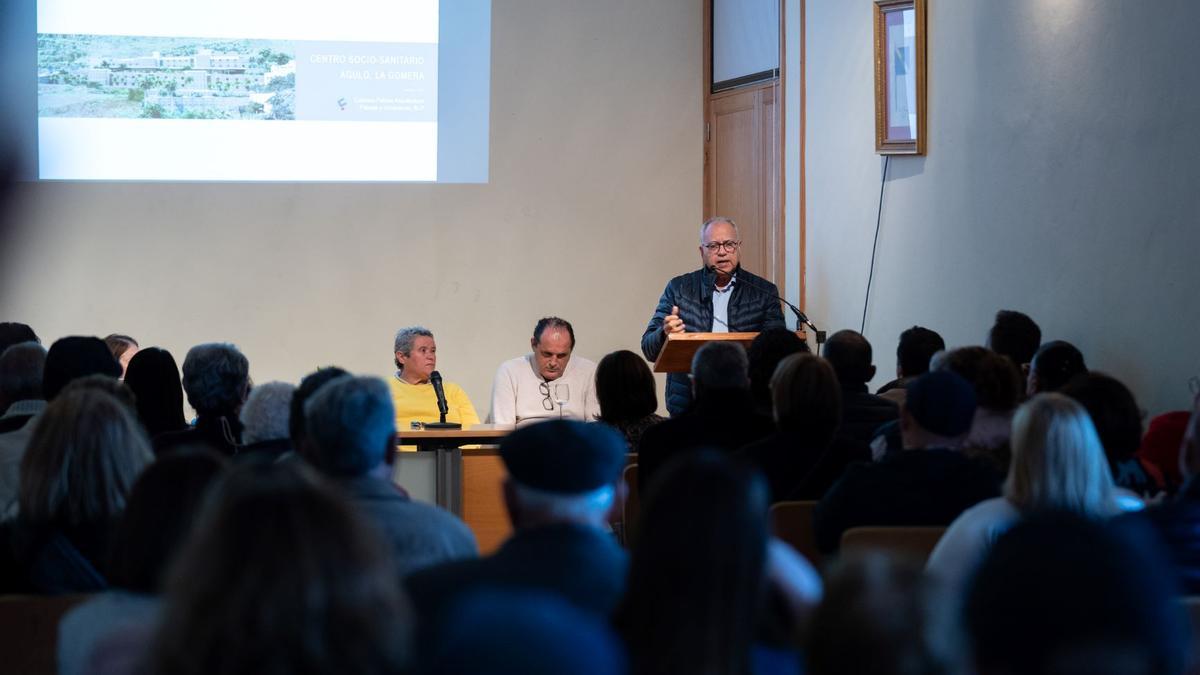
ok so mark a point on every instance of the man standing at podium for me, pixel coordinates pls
(720, 297)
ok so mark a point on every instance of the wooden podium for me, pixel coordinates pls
(676, 354)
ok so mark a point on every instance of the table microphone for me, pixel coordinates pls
(435, 379)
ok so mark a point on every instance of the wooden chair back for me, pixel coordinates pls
(793, 522)
(913, 542)
(29, 631)
(629, 513)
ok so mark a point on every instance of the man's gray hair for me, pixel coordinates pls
(349, 423)
(21, 368)
(267, 412)
(215, 376)
(718, 219)
(587, 507)
(405, 337)
(721, 365)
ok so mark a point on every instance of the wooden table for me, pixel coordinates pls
(469, 482)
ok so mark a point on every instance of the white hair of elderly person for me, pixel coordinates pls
(265, 418)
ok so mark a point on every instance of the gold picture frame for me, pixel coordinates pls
(900, 87)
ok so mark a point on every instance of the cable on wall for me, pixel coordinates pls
(878, 219)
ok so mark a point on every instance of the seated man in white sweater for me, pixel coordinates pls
(548, 383)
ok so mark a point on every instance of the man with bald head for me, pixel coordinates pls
(720, 297)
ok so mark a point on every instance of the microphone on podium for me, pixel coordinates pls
(801, 317)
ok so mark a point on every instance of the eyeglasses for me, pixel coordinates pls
(547, 402)
(728, 246)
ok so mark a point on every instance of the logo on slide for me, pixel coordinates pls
(342, 103)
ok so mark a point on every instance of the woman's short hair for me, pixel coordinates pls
(806, 397)
(1058, 462)
(405, 337)
(267, 412)
(625, 388)
(280, 575)
(215, 376)
(83, 457)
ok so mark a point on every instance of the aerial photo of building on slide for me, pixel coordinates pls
(176, 78)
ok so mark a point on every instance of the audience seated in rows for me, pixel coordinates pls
(998, 389)
(83, 457)
(216, 378)
(930, 483)
(916, 347)
(279, 576)
(721, 414)
(1058, 464)
(21, 367)
(265, 422)
(765, 352)
(123, 348)
(882, 615)
(862, 412)
(281, 552)
(1053, 366)
(700, 567)
(350, 436)
(1062, 594)
(162, 506)
(153, 377)
(626, 393)
(1118, 421)
(805, 456)
(564, 478)
(1016, 336)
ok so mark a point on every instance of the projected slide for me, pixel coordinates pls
(271, 90)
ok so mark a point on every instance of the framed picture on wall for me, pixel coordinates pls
(900, 77)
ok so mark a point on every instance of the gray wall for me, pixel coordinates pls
(594, 199)
(1060, 180)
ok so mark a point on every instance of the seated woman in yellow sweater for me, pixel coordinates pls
(416, 358)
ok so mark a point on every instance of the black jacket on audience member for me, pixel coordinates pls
(864, 412)
(798, 468)
(214, 431)
(908, 488)
(720, 419)
(48, 560)
(581, 564)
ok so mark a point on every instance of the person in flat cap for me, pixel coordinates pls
(930, 483)
(564, 477)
